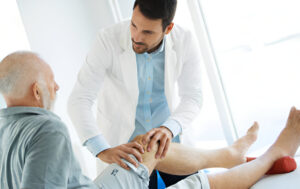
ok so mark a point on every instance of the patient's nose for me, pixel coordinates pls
(56, 87)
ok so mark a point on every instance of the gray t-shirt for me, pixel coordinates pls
(35, 151)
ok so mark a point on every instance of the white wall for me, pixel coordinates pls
(12, 33)
(61, 31)
(126, 8)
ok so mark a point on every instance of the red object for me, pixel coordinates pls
(285, 164)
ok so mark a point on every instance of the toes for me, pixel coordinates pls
(294, 115)
(254, 128)
(255, 125)
(292, 112)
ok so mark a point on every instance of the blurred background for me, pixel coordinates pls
(250, 50)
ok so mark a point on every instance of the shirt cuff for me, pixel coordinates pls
(96, 144)
(174, 126)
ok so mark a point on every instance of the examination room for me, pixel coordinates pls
(138, 94)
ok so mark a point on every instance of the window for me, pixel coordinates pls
(206, 130)
(257, 45)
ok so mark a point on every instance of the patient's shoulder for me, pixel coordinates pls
(49, 124)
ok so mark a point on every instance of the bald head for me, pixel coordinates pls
(18, 71)
(25, 76)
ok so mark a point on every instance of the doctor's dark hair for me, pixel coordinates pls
(158, 9)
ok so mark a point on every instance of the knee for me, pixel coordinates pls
(139, 140)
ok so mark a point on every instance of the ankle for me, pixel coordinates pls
(275, 152)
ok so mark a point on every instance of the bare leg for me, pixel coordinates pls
(186, 160)
(245, 175)
(183, 160)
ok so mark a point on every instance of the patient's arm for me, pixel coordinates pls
(184, 160)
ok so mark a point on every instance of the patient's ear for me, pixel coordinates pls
(36, 91)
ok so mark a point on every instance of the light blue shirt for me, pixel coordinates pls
(152, 110)
(36, 152)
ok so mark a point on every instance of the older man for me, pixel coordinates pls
(35, 148)
(36, 151)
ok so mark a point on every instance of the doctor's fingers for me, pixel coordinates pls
(135, 152)
(137, 146)
(128, 158)
(120, 162)
(163, 147)
(154, 140)
(148, 135)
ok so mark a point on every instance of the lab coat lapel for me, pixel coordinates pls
(129, 69)
(170, 67)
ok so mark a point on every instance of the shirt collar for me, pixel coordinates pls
(25, 110)
(161, 48)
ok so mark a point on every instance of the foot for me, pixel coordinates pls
(289, 139)
(239, 148)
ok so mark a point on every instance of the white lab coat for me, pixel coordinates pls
(109, 75)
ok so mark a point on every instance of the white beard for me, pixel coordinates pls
(48, 104)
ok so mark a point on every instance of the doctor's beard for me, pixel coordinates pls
(139, 47)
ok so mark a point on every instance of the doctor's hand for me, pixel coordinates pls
(114, 155)
(162, 135)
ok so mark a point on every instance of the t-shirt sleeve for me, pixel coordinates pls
(47, 161)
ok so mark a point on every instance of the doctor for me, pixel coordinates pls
(135, 70)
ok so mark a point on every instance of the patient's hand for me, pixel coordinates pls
(114, 155)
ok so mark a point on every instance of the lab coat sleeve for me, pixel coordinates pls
(189, 85)
(89, 82)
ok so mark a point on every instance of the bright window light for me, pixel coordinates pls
(257, 47)
(206, 131)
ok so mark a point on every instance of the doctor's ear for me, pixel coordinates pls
(169, 28)
(37, 93)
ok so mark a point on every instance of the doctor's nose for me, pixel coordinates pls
(137, 38)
